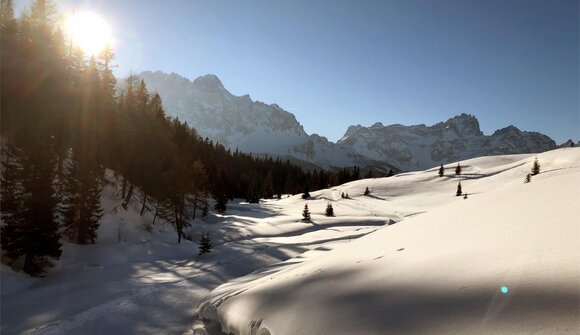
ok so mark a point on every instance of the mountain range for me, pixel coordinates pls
(260, 128)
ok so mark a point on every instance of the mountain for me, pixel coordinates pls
(420, 146)
(257, 127)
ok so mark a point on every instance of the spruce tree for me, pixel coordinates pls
(441, 171)
(204, 209)
(528, 178)
(459, 192)
(367, 192)
(458, 169)
(81, 207)
(221, 204)
(536, 167)
(306, 214)
(205, 244)
(329, 210)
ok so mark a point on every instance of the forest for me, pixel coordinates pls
(64, 121)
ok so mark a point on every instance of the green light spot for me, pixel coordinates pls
(504, 289)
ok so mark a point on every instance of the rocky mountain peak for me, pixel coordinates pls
(209, 83)
(464, 125)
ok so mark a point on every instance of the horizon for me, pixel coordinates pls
(336, 64)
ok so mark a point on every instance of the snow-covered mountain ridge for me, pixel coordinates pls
(257, 127)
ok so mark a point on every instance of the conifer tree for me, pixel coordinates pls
(536, 167)
(329, 210)
(528, 178)
(306, 214)
(458, 170)
(441, 170)
(459, 192)
(306, 194)
(81, 207)
(204, 209)
(369, 174)
(367, 192)
(205, 244)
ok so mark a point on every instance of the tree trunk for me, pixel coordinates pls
(128, 197)
(156, 210)
(194, 206)
(144, 201)
(177, 224)
(28, 263)
(124, 188)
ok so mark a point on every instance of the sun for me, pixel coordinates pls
(88, 31)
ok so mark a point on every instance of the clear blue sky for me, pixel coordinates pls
(339, 63)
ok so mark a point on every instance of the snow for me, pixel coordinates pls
(138, 282)
(443, 271)
(410, 258)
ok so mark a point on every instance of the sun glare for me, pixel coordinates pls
(88, 31)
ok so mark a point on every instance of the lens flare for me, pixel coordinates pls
(504, 289)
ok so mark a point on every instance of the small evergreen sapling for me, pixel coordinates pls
(306, 214)
(205, 244)
(441, 171)
(528, 178)
(458, 169)
(536, 167)
(459, 192)
(367, 192)
(329, 210)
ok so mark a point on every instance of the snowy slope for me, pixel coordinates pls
(503, 261)
(138, 282)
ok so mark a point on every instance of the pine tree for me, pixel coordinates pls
(81, 208)
(536, 167)
(329, 210)
(204, 209)
(459, 192)
(205, 244)
(367, 192)
(458, 170)
(369, 174)
(221, 204)
(528, 178)
(306, 214)
(441, 171)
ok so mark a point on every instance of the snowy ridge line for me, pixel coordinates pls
(267, 129)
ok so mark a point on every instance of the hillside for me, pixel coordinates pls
(502, 261)
(409, 258)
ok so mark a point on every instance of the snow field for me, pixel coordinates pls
(441, 271)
